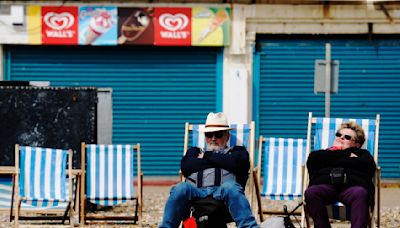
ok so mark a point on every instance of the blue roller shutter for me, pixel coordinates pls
(369, 83)
(155, 89)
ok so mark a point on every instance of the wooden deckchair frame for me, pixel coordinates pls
(376, 178)
(137, 217)
(15, 191)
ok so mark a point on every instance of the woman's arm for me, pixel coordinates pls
(323, 158)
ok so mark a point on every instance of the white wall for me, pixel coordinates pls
(12, 25)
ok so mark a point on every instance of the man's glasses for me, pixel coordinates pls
(217, 134)
(347, 137)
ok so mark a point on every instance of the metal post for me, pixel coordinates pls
(327, 79)
(1, 63)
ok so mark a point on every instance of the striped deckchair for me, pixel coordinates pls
(283, 161)
(41, 181)
(108, 179)
(240, 135)
(325, 130)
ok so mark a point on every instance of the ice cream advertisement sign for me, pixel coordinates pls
(59, 25)
(172, 26)
(98, 25)
(109, 25)
(211, 26)
(136, 26)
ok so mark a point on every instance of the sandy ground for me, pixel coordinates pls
(156, 196)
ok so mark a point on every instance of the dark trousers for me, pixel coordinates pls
(318, 196)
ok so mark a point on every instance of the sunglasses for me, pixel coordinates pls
(217, 134)
(347, 137)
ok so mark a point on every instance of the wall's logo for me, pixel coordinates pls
(59, 21)
(173, 22)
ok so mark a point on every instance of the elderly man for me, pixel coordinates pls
(229, 166)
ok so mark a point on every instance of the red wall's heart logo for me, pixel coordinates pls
(173, 22)
(59, 21)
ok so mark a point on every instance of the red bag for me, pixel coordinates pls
(190, 223)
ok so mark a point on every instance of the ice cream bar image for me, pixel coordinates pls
(134, 26)
(99, 25)
(220, 17)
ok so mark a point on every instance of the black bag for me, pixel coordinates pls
(338, 176)
(209, 212)
(286, 219)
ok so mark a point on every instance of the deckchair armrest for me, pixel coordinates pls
(377, 176)
(7, 170)
(181, 177)
(255, 169)
(75, 172)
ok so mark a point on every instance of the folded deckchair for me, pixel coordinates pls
(108, 176)
(324, 135)
(41, 181)
(283, 162)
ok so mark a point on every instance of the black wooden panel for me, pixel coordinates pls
(46, 117)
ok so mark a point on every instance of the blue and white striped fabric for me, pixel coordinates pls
(110, 173)
(325, 130)
(43, 176)
(240, 135)
(283, 161)
(5, 193)
(5, 198)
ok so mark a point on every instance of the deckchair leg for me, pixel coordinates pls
(66, 213)
(77, 193)
(12, 197)
(305, 218)
(378, 209)
(16, 216)
(140, 200)
(135, 217)
(257, 189)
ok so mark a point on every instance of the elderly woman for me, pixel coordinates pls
(342, 173)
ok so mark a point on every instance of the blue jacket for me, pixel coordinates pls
(236, 162)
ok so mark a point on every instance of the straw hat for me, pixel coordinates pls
(216, 122)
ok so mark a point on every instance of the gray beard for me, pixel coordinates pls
(214, 148)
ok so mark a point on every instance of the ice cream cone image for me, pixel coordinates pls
(121, 39)
(99, 25)
(220, 17)
(91, 36)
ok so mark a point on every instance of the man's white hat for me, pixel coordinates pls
(216, 122)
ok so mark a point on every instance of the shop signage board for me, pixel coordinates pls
(34, 24)
(59, 25)
(109, 25)
(173, 26)
(135, 26)
(98, 25)
(211, 26)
